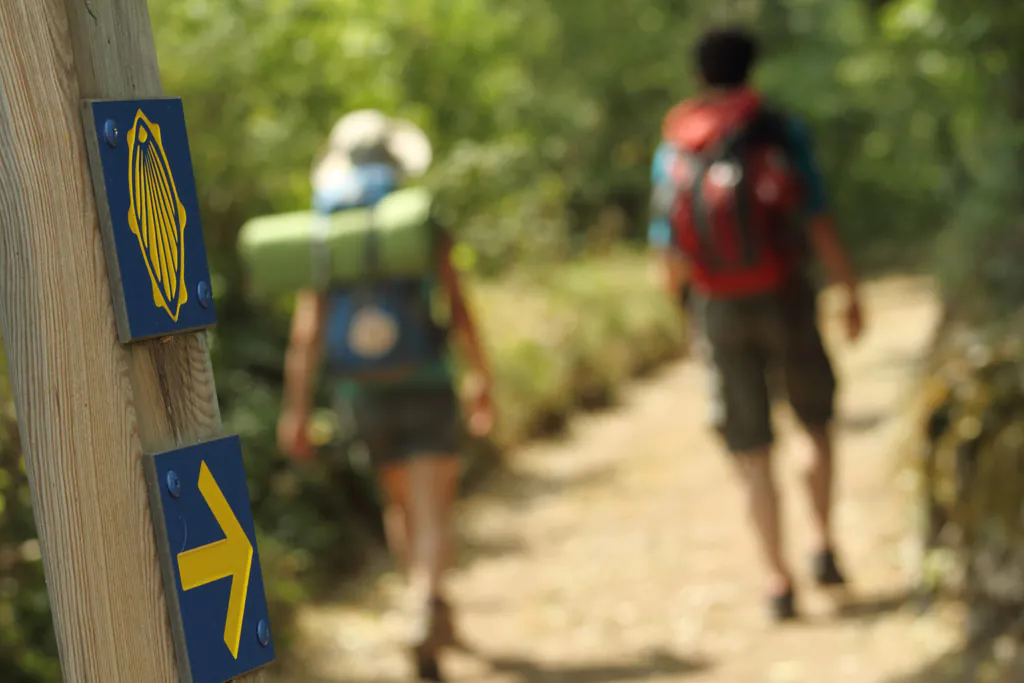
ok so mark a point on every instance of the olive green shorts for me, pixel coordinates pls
(406, 423)
(753, 341)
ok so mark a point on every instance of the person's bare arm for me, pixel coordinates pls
(676, 269)
(303, 355)
(667, 269)
(463, 324)
(822, 233)
(830, 250)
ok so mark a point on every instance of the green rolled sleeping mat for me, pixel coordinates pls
(284, 253)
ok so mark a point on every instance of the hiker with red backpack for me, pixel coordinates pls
(377, 302)
(738, 209)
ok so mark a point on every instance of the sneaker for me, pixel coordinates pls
(783, 606)
(826, 571)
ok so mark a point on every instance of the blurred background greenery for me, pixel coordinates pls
(544, 114)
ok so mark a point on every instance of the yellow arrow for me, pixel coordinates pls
(221, 559)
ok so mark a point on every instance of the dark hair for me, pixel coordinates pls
(725, 57)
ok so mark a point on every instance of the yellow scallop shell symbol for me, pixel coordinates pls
(156, 215)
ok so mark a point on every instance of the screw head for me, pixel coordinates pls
(110, 132)
(205, 294)
(263, 632)
(173, 484)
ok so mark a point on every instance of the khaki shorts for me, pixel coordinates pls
(749, 341)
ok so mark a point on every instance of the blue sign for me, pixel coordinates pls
(210, 562)
(146, 195)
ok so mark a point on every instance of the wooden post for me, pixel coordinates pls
(88, 407)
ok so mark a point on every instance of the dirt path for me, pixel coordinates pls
(621, 554)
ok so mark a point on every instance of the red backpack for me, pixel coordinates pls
(736, 195)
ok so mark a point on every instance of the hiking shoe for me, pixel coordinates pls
(826, 571)
(783, 606)
(445, 628)
(432, 632)
(427, 668)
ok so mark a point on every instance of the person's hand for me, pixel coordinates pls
(481, 416)
(854, 319)
(697, 344)
(293, 437)
(480, 406)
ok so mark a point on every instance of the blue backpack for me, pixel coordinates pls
(379, 328)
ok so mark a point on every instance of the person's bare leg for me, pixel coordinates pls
(433, 481)
(396, 532)
(818, 479)
(394, 485)
(419, 526)
(763, 507)
(820, 483)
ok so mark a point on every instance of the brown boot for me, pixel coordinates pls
(445, 628)
(434, 633)
(426, 664)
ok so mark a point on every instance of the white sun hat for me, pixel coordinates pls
(370, 136)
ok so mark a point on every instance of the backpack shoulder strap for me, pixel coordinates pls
(741, 135)
(769, 126)
(371, 246)
(321, 253)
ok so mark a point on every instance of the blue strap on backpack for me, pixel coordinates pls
(379, 328)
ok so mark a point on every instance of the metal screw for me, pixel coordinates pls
(173, 484)
(110, 132)
(203, 289)
(263, 632)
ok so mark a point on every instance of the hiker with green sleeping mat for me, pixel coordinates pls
(371, 264)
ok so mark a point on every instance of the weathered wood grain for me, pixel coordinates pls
(88, 407)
